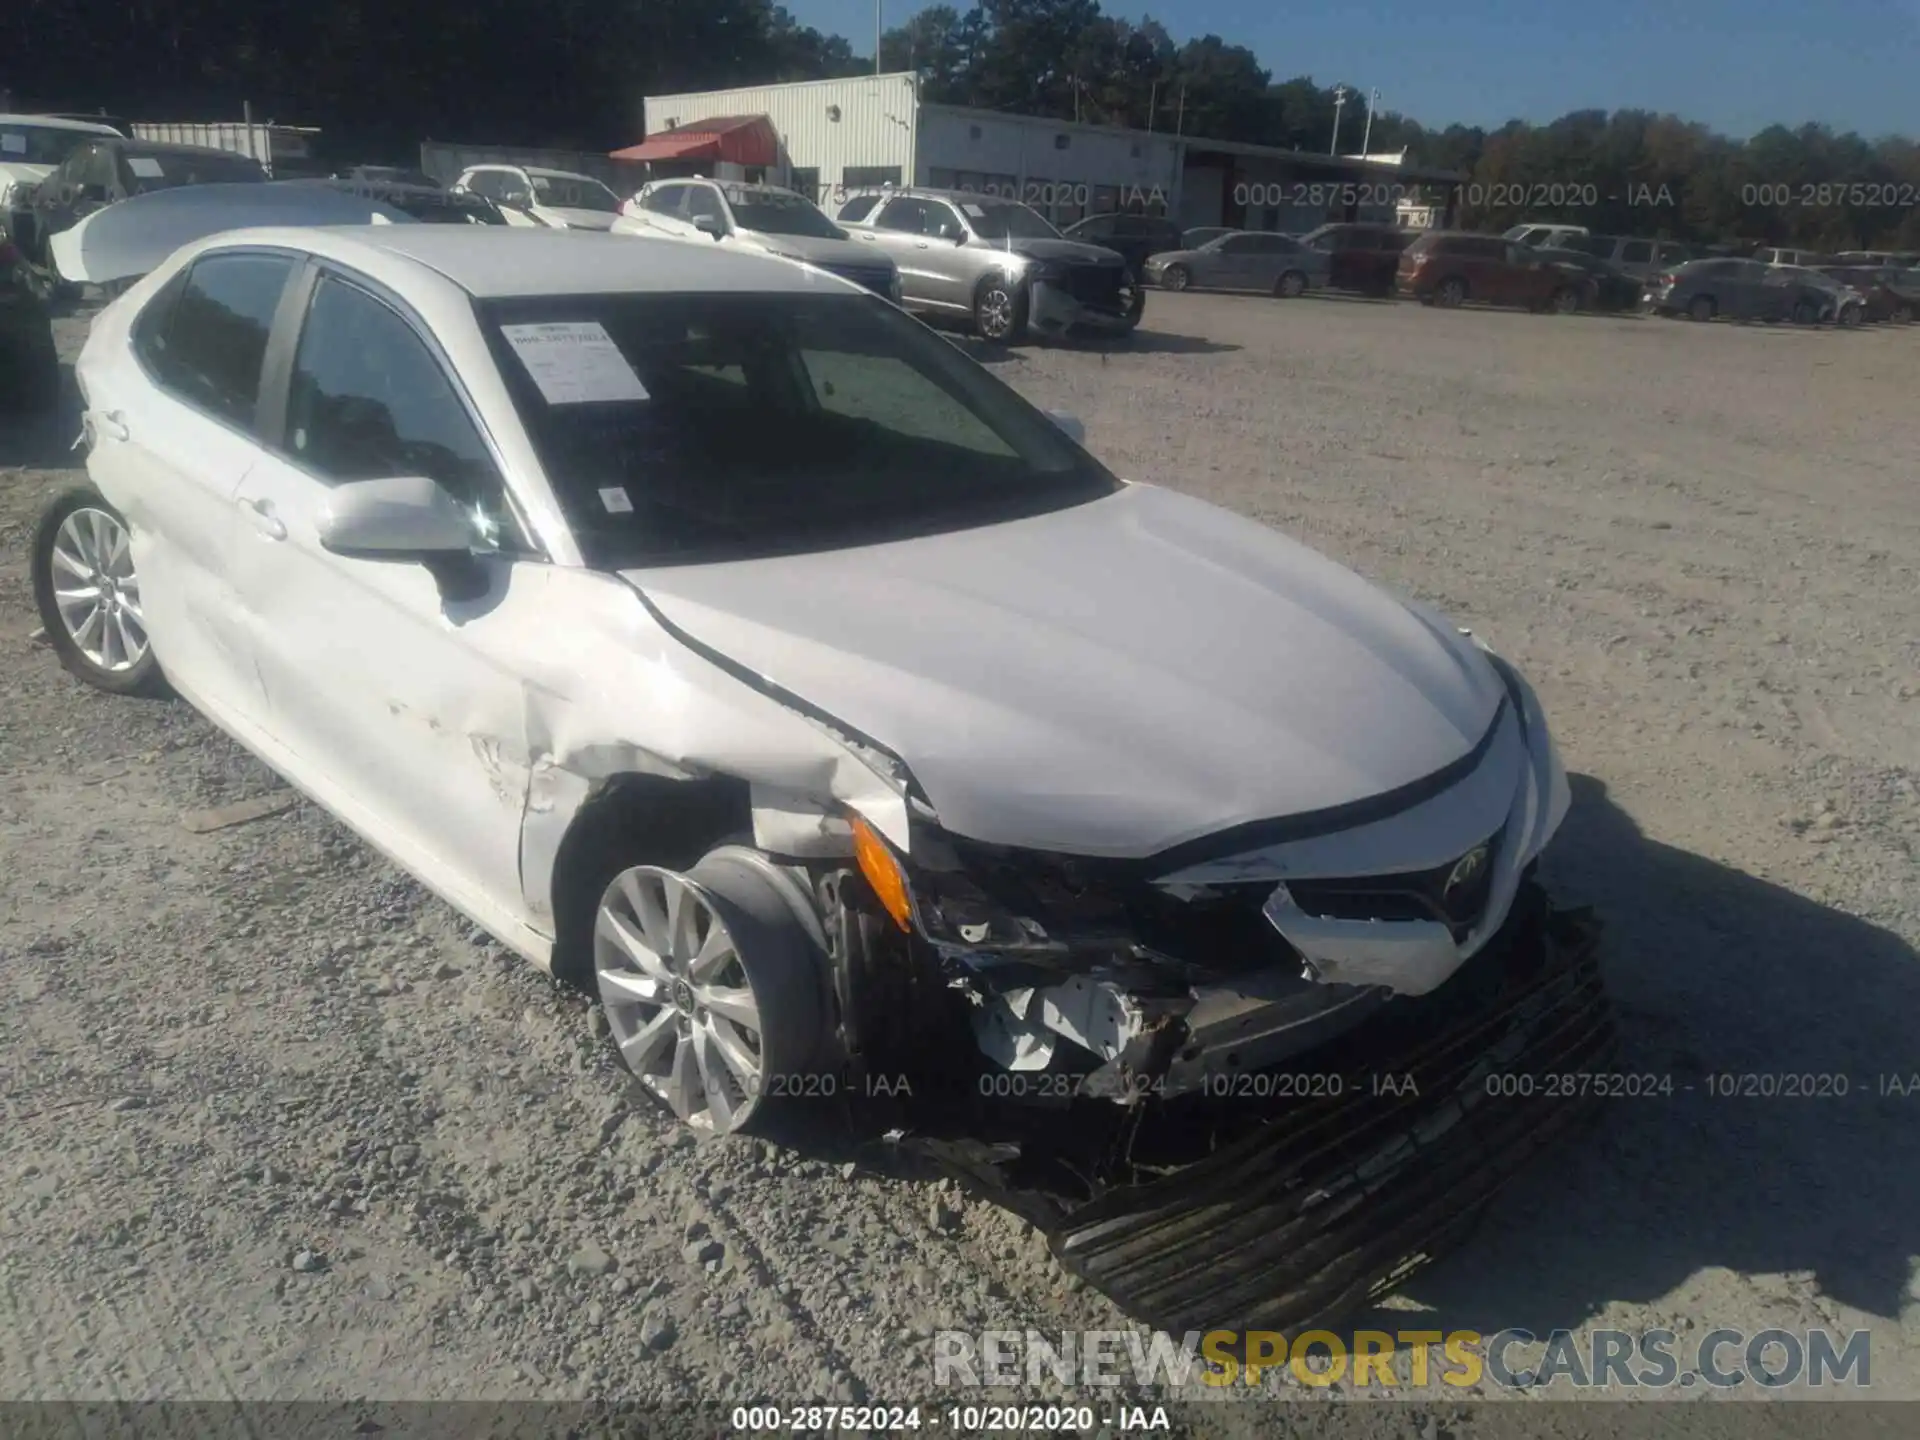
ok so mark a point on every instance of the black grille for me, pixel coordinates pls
(1413, 895)
(871, 277)
(1096, 285)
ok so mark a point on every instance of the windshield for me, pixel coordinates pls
(397, 175)
(777, 212)
(38, 144)
(682, 428)
(997, 220)
(150, 170)
(575, 193)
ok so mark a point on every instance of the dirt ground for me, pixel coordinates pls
(278, 1124)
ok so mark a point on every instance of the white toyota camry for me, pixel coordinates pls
(714, 633)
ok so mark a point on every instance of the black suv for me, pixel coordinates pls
(29, 368)
(1134, 236)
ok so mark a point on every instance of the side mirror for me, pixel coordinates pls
(406, 517)
(1070, 425)
(710, 225)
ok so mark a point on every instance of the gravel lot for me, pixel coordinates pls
(279, 1125)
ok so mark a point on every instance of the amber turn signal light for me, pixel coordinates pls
(883, 872)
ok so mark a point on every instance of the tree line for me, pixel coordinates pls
(377, 78)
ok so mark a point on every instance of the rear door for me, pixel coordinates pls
(393, 696)
(1636, 257)
(174, 425)
(909, 228)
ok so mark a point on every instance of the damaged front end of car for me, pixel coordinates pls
(1256, 1079)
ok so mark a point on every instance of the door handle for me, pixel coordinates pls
(111, 423)
(264, 520)
(923, 244)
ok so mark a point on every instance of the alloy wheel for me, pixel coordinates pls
(996, 313)
(1175, 278)
(97, 590)
(678, 998)
(1293, 285)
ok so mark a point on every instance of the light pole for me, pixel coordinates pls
(1339, 104)
(1366, 139)
(878, 31)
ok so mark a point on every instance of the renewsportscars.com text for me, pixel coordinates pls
(1719, 1359)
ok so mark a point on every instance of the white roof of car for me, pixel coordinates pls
(491, 262)
(55, 122)
(561, 174)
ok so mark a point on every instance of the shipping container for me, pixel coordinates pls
(280, 149)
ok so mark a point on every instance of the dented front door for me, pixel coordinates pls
(392, 682)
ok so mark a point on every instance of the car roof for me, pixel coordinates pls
(492, 263)
(556, 174)
(56, 122)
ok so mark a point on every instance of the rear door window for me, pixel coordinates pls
(208, 350)
(1636, 252)
(858, 208)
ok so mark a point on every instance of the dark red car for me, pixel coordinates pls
(1361, 257)
(1889, 294)
(1453, 267)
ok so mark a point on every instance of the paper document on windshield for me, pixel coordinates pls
(145, 166)
(13, 144)
(574, 362)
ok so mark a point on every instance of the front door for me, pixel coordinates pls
(396, 698)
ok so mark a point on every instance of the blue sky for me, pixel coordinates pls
(1738, 65)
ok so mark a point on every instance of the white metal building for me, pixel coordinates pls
(838, 135)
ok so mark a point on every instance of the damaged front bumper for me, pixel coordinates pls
(1163, 979)
(1295, 1196)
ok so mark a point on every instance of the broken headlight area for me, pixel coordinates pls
(1303, 1191)
(1084, 977)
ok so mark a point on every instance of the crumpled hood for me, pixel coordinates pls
(1111, 679)
(1061, 250)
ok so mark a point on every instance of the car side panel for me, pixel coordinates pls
(175, 473)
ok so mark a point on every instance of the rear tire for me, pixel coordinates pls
(88, 595)
(1701, 308)
(1290, 286)
(1564, 301)
(1804, 313)
(1451, 294)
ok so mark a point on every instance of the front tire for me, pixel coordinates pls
(1290, 286)
(1565, 301)
(88, 594)
(1000, 311)
(1451, 294)
(713, 987)
(1176, 277)
(1804, 313)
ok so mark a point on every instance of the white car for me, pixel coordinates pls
(529, 196)
(760, 218)
(718, 636)
(32, 147)
(677, 617)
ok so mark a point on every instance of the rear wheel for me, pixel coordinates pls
(88, 594)
(1804, 312)
(1701, 308)
(1850, 316)
(1291, 286)
(1903, 314)
(1176, 277)
(1452, 293)
(1565, 300)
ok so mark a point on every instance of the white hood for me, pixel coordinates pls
(1111, 679)
(573, 219)
(816, 251)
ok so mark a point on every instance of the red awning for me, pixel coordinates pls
(736, 139)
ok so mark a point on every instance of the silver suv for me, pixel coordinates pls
(994, 262)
